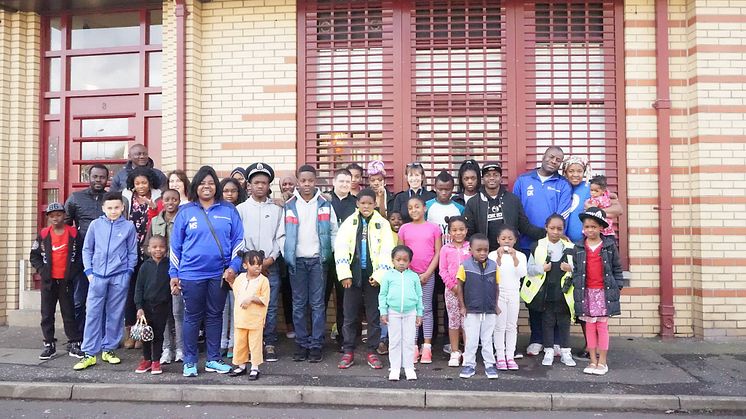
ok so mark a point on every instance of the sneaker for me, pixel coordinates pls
(601, 369)
(167, 356)
(447, 349)
(74, 350)
(190, 370)
(590, 369)
(491, 372)
(143, 367)
(179, 356)
(315, 356)
(533, 349)
(394, 375)
(582, 355)
(155, 368)
(548, 357)
(347, 361)
(290, 335)
(87, 361)
(502, 365)
(512, 365)
(383, 348)
(566, 357)
(557, 350)
(374, 362)
(416, 354)
(427, 355)
(467, 372)
(455, 359)
(253, 375)
(49, 350)
(517, 355)
(301, 354)
(229, 354)
(410, 375)
(269, 353)
(110, 357)
(218, 366)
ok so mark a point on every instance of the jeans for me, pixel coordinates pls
(308, 282)
(536, 323)
(104, 331)
(58, 290)
(226, 333)
(333, 284)
(80, 294)
(270, 324)
(175, 341)
(204, 299)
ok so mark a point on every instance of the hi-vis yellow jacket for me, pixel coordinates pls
(532, 284)
(380, 245)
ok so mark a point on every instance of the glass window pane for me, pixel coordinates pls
(105, 30)
(55, 73)
(55, 34)
(103, 150)
(108, 127)
(53, 106)
(52, 157)
(154, 71)
(104, 72)
(156, 27)
(51, 195)
(154, 102)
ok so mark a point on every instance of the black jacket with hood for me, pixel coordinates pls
(41, 255)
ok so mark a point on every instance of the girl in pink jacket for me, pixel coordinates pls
(451, 256)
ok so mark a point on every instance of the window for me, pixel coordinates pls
(101, 90)
(439, 81)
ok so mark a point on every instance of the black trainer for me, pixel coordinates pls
(49, 350)
(269, 353)
(73, 349)
(315, 355)
(301, 354)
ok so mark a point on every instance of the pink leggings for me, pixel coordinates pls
(597, 335)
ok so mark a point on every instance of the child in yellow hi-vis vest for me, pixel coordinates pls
(251, 291)
(549, 269)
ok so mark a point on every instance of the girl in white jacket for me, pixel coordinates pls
(512, 265)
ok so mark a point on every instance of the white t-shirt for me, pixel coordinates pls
(438, 212)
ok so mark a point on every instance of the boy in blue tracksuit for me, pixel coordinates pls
(109, 259)
(542, 192)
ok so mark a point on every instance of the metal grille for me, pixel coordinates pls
(570, 81)
(458, 83)
(348, 84)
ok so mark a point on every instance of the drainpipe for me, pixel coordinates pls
(181, 13)
(662, 106)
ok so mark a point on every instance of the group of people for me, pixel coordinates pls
(208, 259)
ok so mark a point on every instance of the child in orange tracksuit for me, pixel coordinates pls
(251, 292)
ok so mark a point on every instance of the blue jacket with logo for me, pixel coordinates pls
(194, 252)
(110, 247)
(324, 227)
(540, 200)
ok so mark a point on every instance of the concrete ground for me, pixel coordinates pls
(638, 367)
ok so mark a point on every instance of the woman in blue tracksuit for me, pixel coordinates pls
(207, 236)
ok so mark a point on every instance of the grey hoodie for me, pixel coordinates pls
(263, 226)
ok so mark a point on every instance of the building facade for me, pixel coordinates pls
(652, 91)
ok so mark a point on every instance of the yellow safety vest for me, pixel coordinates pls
(532, 284)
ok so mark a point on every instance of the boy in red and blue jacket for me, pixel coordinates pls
(55, 255)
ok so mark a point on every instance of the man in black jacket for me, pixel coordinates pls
(494, 206)
(138, 157)
(81, 208)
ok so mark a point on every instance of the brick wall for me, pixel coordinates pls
(19, 127)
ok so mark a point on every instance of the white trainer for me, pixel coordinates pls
(566, 357)
(533, 349)
(548, 357)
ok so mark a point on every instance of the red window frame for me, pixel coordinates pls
(143, 120)
(521, 127)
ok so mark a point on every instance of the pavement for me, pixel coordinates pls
(646, 374)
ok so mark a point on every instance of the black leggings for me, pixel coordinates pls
(157, 317)
(556, 313)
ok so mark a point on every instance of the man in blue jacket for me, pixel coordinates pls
(109, 259)
(542, 192)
